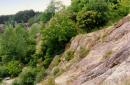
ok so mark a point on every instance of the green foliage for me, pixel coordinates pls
(119, 9)
(90, 20)
(30, 76)
(22, 16)
(40, 74)
(27, 77)
(102, 12)
(60, 30)
(48, 35)
(15, 82)
(13, 43)
(77, 5)
(53, 7)
(124, 7)
(18, 44)
(100, 6)
(3, 72)
(90, 14)
(31, 42)
(14, 68)
(48, 13)
(113, 1)
(34, 19)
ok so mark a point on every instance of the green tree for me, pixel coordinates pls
(77, 5)
(60, 30)
(13, 44)
(23, 16)
(48, 13)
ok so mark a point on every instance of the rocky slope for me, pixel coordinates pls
(106, 63)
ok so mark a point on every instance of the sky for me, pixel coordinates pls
(8, 7)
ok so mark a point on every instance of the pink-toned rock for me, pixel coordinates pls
(108, 62)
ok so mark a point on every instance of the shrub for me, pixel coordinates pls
(3, 72)
(15, 82)
(99, 6)
(94, 13)
(6, 58)
(122, 11)
(119, 9)
(47, 61)
(90, 20)
(40, 74)
(69, 55)
(77, 5)
(113, 1)
(27, 77)
(14, 68)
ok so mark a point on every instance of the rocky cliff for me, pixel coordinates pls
(100, 58)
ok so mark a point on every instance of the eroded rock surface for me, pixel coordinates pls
(107, 63)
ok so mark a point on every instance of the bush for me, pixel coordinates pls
(99, 6)
(40, 74)
(47, 61)
(122, 11)
(3, 72)
(119, 9)
(60, 30)
(27, 77)
(15, 82)
(77, 5)
(91, 14)
(90, 20)
(14, 68)
(6, 58)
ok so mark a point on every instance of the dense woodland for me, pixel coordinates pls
(27, 53)
(20, 17)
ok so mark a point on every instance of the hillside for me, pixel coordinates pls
(79, 44)
(107, 62)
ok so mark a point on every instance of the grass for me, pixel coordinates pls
(83, 52)
(55, 61)
(55, 71)
(69, 54)
(102, 36)
(49, 81)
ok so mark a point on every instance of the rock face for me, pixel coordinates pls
(108, 61)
